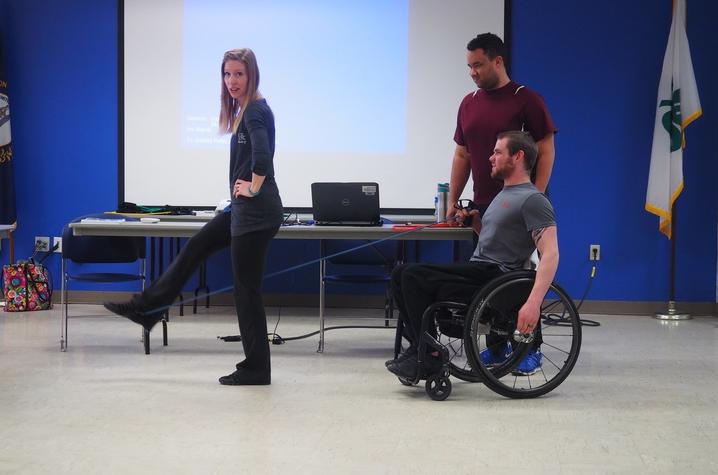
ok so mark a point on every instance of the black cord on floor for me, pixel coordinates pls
(554, 319)
(279, 340)
(276, 339)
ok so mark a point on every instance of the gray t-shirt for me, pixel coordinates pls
(506, 227)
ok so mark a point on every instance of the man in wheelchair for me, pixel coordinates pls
(519, 220)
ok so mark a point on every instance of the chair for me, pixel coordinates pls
(79, 251)
(373, 264)
(6, 231)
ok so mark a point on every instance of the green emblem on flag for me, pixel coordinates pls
(672, 119)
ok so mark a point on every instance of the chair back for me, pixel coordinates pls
(101, 249)
(384, 254)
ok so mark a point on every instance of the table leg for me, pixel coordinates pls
(11, 238)
(322, 270)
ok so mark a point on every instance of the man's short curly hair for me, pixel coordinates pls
(492, 45)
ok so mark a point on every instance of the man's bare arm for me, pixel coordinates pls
(546, 240)
(544, 162)
(460, 172)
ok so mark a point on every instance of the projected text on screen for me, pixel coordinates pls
(334, 73)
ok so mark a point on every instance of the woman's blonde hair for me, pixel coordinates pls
(231, 112)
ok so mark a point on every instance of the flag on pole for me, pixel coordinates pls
(678, 105)
(7, 187)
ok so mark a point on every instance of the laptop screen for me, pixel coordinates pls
(350, 204)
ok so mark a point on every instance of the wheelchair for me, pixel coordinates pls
(461, 332)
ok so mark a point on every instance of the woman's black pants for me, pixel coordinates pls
(214, 236)
(249, 255)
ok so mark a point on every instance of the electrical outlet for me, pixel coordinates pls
(594, 252)
(42, 243)
(57, 241)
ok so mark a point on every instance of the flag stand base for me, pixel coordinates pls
(672, 314)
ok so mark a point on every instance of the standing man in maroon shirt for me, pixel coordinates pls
(497, 106)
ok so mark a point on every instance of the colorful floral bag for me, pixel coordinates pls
(26, 286)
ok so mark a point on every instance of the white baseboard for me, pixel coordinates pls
(605, 307)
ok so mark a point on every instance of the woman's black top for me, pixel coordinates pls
(252, 150)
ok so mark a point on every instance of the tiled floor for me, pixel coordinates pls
(643, 398)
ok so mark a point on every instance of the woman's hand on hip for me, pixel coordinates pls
(241, 188)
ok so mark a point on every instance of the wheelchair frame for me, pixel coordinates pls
(491, 316)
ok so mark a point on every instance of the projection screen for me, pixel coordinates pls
(361, 91)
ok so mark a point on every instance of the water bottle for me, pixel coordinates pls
(441, 201)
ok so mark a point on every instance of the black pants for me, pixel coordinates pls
(416, 286)
(214, 236)
(249, 254)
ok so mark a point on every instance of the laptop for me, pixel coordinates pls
(346, 204)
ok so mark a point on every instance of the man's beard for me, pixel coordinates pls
(503, 172)
(489, 83)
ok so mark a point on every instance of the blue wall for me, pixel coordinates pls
(596, 64)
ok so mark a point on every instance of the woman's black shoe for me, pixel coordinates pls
(135, 313)
(247, 377)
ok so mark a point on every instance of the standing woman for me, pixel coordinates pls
(256, 206)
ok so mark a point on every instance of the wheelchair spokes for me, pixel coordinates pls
(521, 370)
(491, 330)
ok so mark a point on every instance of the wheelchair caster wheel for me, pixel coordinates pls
(438, 387)
(404, 381)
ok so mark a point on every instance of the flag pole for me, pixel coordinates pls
(672, 313)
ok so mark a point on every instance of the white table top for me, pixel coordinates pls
(173, 228)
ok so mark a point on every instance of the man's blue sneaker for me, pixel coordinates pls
(494, 356)
(530, 364)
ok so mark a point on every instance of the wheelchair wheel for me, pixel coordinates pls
(450, 334)
(438, 386)
(491, 321)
